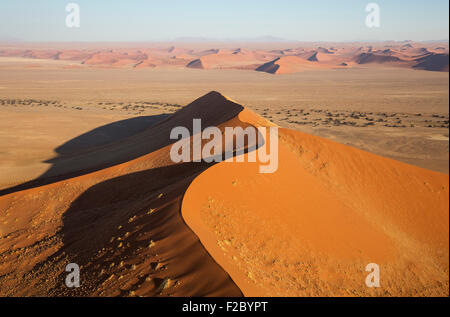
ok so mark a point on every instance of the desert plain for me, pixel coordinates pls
(85, 174)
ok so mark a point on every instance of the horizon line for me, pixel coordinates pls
(224, 41)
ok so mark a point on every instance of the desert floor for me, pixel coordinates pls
(394, 112)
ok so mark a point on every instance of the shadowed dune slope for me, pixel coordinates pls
(365, 58)
(433, 62)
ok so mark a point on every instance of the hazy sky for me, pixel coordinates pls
(151, 20)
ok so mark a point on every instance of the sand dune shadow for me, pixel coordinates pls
(109, 227)
(83, 154)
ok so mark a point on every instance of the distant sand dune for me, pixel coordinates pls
(365, 58)
(325, 56)
(433, 62)
(292, 64)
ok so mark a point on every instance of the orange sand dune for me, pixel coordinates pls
(311, 228)
(227, 60)
(140, 225)
(111, 58)
(175, 51)
(415, 51)
(366, 58)
(38, 54)
(74, 55)
(417, 58)
(148, 63)
(292, 64)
